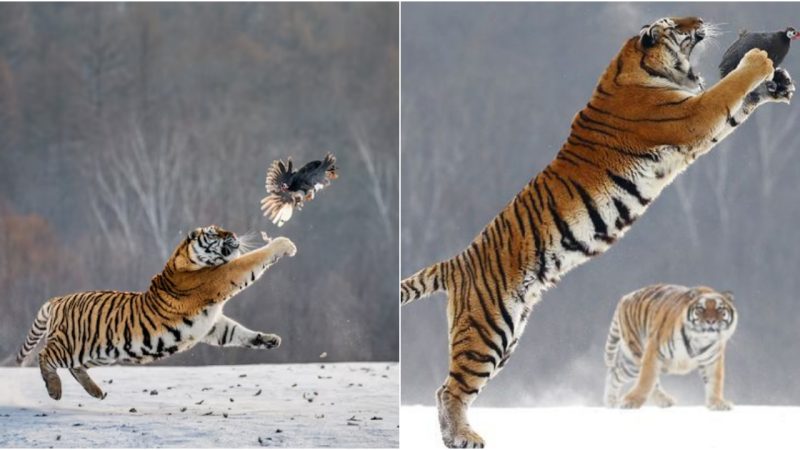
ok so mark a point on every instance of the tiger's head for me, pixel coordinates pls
(665, 47)
(206, 247)
(711, 312)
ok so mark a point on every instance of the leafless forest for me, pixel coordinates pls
(488, 95)
(123, 126)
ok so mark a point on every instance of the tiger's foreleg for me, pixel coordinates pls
(647, 380)
(713, 376)
(246, 269)
(226, 332)
(82, 377)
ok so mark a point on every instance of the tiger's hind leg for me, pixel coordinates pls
(479, 347)
(48, 365)
(616, 377)
(82, 377)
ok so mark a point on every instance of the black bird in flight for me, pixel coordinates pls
(776, 44)
(287, 189)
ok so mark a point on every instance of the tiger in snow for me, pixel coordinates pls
(183, 306)
(668, 329)
(648, 119)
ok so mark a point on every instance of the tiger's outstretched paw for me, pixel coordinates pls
(266, 341)
(781, 88)
(283, 247)
(719, 405)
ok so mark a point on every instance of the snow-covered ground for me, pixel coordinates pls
(649, 428)
(290, 405)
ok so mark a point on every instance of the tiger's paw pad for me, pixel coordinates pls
(632, 402)
(465, 439)
(266, 341)
(719, 405)
(781, 88)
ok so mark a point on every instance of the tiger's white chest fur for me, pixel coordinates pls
(685, 354)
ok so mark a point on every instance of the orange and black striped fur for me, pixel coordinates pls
(647, 120)
(182, 307)
(668, 329)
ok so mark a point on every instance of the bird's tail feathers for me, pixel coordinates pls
(278, 211)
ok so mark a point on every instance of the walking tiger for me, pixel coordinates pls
(668, 329)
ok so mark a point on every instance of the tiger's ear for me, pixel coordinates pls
(649, 35)
(192, 235)
(728, 295)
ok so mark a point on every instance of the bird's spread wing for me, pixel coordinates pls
(329, 163)
(279, 203)
(279, 174)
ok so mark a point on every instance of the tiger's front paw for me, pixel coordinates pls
(781, 88)
(757, 59)
(632, 401)
(283, 247)
(719, 405)
(266, 341)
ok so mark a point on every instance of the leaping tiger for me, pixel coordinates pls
(647, 120)
(182, 307)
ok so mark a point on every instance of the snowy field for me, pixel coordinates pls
(290, 405)
(651, 428)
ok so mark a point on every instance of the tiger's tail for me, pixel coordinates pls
(423, 283)
(35, 334)
(612, 342)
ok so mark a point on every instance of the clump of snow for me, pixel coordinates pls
(290, 405)
(648, 428)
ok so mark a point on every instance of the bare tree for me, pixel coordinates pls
(380, 178)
